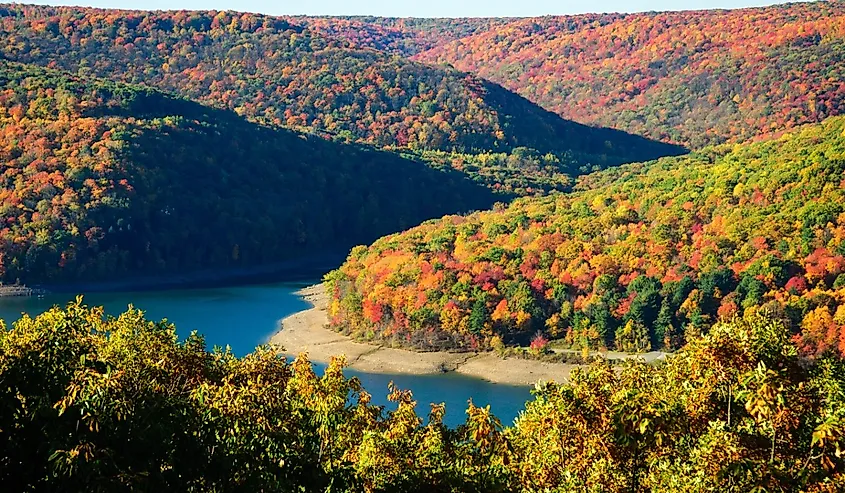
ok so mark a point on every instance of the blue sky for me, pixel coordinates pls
(420, 8)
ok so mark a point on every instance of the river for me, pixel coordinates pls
(243, 317)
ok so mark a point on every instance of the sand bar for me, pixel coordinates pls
(306, 331)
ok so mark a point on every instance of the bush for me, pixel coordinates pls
(539, 344)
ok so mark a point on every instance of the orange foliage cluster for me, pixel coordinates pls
(645, 256)
(696, 78)
(275, 72)
(403, 36)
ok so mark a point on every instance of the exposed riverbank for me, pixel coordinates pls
(18, 290)
(306, 331)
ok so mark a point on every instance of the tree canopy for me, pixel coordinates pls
(101, 179)
(643, 257)
(272, 71)
(97, 403)
(694, 77)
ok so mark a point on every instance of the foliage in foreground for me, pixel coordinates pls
(102, 404)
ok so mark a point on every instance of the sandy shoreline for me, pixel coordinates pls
(306, 331)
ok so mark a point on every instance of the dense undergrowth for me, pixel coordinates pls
(106, 404)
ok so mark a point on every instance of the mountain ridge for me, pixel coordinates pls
(691, 77)
(101, 178)
(275, 72)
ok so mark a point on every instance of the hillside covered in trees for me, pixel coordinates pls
(694, 78)
(646, 256)
(100, 179)
(272, 71)
(402, 36)
(158, 143)
(95, 404)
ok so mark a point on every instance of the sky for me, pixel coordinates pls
(419, 8)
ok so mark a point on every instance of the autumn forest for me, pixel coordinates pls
(553, 189)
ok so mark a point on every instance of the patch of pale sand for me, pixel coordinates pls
(514, 371)
(306, 331)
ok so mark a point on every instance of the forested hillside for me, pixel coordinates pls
(99, 179)
(272, 71)
(646, 257)
(695, 77)
(402, 36)
(159, 143)
(88, 404)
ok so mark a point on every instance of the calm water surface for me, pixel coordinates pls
(243, 317)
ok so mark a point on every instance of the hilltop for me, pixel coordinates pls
(273, 71)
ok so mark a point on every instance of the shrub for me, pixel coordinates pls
(539, 344)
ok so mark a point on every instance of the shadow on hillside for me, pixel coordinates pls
(219, 190)
(596, 145)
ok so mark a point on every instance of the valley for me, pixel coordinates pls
(588, 252)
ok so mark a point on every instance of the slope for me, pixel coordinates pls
(272, 71)
(405, 36)
(695, 78)
(99, 179)
(647, 256)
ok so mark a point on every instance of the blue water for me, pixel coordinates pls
(243, 317)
